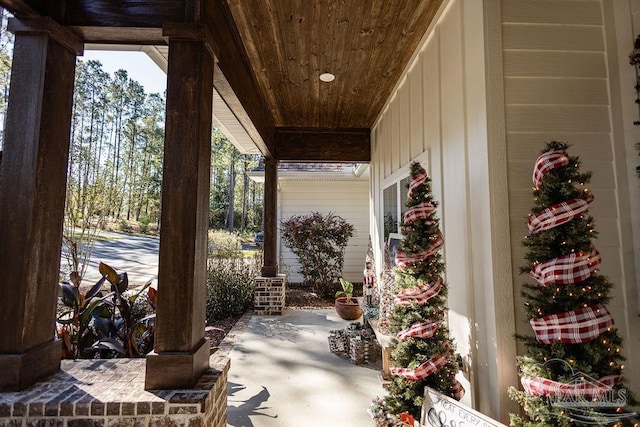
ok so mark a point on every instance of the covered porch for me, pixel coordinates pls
(216, 54)
(471, 89)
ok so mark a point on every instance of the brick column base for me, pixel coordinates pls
(269, 296)
(110, 392)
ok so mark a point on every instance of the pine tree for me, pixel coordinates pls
(420, 269)
(561, 233)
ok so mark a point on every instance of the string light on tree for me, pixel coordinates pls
(573, 330)
(423, 353)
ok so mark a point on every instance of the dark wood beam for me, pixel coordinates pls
(323, 145)
(125, 13)
(50, 27)
(19, 8)
(115, 35)
(233, 62)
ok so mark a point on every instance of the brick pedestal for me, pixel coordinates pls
(269, 296)
(110, 392)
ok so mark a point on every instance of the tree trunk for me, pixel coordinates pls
(232, 184)
(245, 190)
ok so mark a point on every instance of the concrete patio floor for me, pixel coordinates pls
(283, 375)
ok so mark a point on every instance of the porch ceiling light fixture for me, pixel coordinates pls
(327, 77)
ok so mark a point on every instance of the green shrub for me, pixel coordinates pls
(144, 224)
(319, 242)
(224, 244)
(125, 226)
(230, 284)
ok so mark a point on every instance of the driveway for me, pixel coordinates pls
(135, 255)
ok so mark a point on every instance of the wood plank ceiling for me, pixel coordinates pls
(269, 55)
(366, 44)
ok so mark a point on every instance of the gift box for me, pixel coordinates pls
(338, 341)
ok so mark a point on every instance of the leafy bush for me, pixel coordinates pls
(103, 324)
(224, 244)
(319, 242)
(144, 224)
(230, 284)
(125, 226)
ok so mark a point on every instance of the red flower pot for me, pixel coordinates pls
(348, 311)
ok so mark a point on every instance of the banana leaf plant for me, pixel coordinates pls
(104, 323)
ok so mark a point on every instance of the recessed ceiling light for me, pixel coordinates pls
(327, 77)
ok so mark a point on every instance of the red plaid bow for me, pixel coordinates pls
(402, 259)
(429, 367)
(420, 294)
(580, 387)
(572, 327)
(420, 330)
(421, 211)
(551, 159)
(417, 181)
(568, 269)
(558, 214)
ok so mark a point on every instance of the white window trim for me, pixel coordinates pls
(396, 178)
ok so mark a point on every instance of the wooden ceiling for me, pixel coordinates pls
(366, 44)
(269, 55)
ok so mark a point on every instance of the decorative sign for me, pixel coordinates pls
(442, 411)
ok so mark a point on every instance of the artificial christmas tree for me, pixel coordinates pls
(572, 373)
(423, 354)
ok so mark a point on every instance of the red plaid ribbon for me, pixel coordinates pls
(557, 214)
(572, 327)
(537, 386)
(421, 211)
(403, 259)
(458, 390)
(420, 330)
(417, 181)
(551, 159)
(429, 367)
(568, 269)
(420, 294)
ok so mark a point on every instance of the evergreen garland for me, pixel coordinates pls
(595, 359)
(407, 395)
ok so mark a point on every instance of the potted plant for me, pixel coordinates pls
(346, 307)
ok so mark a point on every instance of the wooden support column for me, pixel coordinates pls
(32, 193)
(270, 264)
(181, 353)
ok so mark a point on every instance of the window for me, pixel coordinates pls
(390, 203)
(394, 197)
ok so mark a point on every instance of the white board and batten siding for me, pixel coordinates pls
(438, 115)
(346, 198)
(562, 82)
(491, 83)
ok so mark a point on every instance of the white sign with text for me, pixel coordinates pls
(442, 411)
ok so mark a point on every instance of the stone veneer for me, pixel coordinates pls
(269, 295)
(110, 393)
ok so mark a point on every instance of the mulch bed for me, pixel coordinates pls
(296, 299)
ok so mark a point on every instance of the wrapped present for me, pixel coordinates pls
(338, 341)
(362, 351)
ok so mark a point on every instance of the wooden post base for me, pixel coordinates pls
(19, 371)
(174, 370)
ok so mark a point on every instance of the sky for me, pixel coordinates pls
(138, 65)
